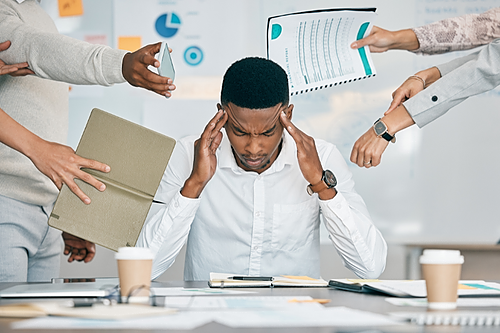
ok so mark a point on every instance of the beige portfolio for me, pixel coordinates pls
(138, 158)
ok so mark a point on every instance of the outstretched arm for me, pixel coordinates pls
(56, 161)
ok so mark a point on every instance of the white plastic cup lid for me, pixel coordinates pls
(134, 253)
(441, 257)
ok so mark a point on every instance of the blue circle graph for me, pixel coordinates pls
(193, 55)
(167, 27)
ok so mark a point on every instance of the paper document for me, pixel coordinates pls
(239, 302)
(469, 301)
(413, 288)
(314, 47)
(225, 280)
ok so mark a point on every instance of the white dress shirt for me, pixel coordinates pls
(260, 224)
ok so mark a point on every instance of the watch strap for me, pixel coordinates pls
(387, 136)
(316, 188)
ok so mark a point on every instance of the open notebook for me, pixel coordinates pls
(224, 280)
(138, 157)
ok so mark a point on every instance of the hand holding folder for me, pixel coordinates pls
(138, 158)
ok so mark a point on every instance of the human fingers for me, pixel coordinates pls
(290, 127)
(22, 72)
(209, 131)
(4, 45)
(94, 165)
(368, 40)
(91, 251)
(7, 69)
(358, 151)
(76, 190)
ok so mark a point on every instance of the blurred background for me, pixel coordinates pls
(436, 185)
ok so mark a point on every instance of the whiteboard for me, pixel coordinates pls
(436, 184)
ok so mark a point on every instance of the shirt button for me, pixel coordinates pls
(434, 98)
(257, 214)
(176, 204)
(255, 247)
(339, 206)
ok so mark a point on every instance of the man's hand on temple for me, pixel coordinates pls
(135, 70)
(307, 155)
(205, 161)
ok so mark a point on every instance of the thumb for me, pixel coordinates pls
(368, 40)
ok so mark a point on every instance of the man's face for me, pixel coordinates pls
(255, 135)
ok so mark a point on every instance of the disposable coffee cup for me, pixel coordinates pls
(134, 273)
(441, 270)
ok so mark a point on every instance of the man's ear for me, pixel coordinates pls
(220, 107)
(289, 111)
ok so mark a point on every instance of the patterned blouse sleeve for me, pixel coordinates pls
(459, 33)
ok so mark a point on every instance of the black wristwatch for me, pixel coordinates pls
(328, 180)
(380, 129)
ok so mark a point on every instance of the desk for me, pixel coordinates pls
(482, 261)
(364, 302)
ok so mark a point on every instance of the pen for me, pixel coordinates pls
(251, 278)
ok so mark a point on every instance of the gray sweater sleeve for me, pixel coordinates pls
(472, 75)
(58, 57)
(458, 33)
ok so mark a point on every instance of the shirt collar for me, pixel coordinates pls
(287, 155)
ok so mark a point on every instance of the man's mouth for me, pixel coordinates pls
(253, 162)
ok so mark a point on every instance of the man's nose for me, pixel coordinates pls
(253, 145)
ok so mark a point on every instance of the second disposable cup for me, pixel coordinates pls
(441, 270)
(134, 273)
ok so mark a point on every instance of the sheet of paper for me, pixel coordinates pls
(238, 302)
(333, 316)
(417, 288)
(422, 302)
(314, 47)
(180, 291)
(179, 321)
(186, 320)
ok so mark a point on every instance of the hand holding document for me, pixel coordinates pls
(314, 47)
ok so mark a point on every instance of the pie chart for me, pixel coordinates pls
(167, 24)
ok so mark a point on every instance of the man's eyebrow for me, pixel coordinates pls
(271, 129)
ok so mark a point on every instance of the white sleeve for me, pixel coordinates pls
(358, 242)
(166, 231)
(58, 57)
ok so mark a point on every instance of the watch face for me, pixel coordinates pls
(329, 179)
(379, 128)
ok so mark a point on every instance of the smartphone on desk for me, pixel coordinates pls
(166, 68)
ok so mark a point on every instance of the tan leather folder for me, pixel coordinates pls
(138, 158)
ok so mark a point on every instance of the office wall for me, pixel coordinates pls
(436, 184)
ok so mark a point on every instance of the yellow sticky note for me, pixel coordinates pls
(70, 8)
(299, 277)
(129, 43)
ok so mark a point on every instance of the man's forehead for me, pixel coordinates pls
(240, 117)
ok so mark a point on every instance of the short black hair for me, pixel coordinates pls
(255, 83)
